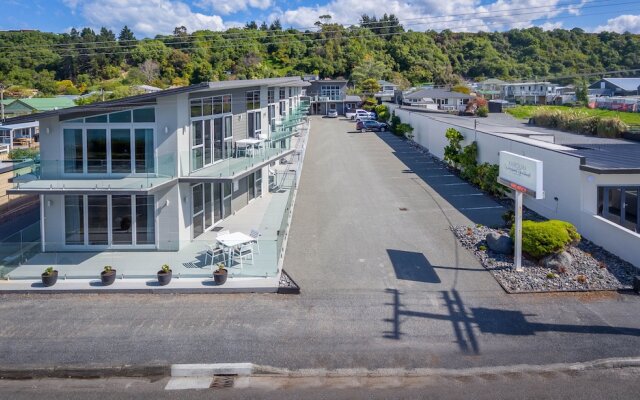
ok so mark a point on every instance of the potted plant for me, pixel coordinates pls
(220, 275)
(49, 277)
(164, 275)
(108, 276)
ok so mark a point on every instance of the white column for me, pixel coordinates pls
(517, 259)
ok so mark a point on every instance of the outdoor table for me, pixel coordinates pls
(233, 240)
(249, 142)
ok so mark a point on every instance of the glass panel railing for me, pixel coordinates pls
(23, 259)
(18, 248)
(242, 159)
(100, 175)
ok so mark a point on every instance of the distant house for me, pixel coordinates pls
(330, 94)
(436, 99)
(490, 88)
(37, 104)
(616, 87)
(387, 91)
(532, 93)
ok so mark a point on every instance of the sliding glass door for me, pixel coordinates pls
(203, 208)
(109, 220)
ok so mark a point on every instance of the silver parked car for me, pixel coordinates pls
(332, 114)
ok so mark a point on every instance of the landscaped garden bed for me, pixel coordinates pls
(592, 267)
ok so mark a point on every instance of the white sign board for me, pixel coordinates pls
(522, 174)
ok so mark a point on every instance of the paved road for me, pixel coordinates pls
(382, 287)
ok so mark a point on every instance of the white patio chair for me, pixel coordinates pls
(215, 251)
(242, 252)
(255, 234)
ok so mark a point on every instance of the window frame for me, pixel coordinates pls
(603, 197)
(109, 217)
(108, 127)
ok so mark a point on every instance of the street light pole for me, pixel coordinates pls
(2, 102)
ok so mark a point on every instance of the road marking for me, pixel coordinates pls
(189, 382)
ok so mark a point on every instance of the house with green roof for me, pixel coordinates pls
(38, 104)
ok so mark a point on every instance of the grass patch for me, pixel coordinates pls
(528, 111)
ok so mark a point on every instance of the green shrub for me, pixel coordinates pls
(403, 129)
(23, 154)
(483, 111)
(453, 149)
(540, 239)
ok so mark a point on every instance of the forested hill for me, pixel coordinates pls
(82, 60)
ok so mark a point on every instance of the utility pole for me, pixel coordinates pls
(2, 102)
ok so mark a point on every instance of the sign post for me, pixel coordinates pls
(524, 176)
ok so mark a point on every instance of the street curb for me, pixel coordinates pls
(87, 372)
(192, 370)
(249, 369)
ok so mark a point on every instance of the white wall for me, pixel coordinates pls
(569, 194)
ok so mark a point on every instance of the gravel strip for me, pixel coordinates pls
(593, 268)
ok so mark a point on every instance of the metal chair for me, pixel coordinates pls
(215, 251)
(255, 234)
(242, 252)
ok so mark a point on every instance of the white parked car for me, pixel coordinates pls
(361, 115)
(332, 114)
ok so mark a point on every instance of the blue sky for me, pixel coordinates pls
(150, 17)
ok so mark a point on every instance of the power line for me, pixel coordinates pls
(377, 24)
(239, 41)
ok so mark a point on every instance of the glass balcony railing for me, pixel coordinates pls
(240, 160)
(95, 174)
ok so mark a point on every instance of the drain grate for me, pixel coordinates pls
(222, 381)
(403, 209)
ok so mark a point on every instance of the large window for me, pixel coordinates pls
(106, 145)
(619, 204)
(121, 150)
(253, 99)
(73, 151)
(211, 141)
(109, 220)
(271, 96)
(254, 124)
(330, 91)
(282, 94)
(210, 106)
(210, 130)
(74, 219)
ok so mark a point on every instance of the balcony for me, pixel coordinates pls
(240, 163)
(54, 176)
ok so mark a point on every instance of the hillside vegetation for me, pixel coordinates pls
(85, 60)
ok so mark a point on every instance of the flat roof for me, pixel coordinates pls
(609, 158)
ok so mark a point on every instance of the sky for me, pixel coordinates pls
(148, 18)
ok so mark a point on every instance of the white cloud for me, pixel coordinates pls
(458, 15)
(549, 26)
(621, 24)
(233, 6)
(145, 17)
